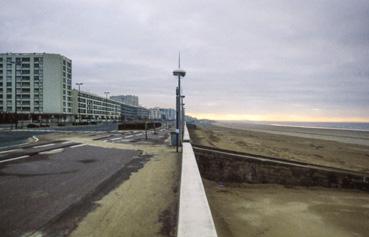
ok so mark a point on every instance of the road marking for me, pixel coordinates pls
(115, 139)
(51, 151)
(2, 152)
(36, 139)
(79, 145)
(128, 136)
(46, 145)
(16, 158)
(66, 142)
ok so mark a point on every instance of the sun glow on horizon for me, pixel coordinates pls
(276, 118)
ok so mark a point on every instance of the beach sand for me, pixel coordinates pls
(275, 211)
(268, 210)
(333, 148)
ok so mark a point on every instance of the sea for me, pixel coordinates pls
(324, 125)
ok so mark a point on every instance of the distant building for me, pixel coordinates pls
(168, 114)
(155, 113)
(36, 83)
(126, 99)
(162, 114)
(91, 107)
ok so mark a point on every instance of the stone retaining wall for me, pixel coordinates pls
(219, 166)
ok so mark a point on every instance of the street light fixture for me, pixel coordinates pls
(106, 104)
(178, 73)
(79, 84)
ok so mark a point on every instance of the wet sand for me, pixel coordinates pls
(322, 147)
(275, 211)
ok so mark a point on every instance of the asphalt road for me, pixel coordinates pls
(51, 178)
(16, 137)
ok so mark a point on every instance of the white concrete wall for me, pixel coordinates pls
(53, 84)
(194, 217)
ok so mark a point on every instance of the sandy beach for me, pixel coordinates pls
(333, 148)
(276, 211)
(270, 210)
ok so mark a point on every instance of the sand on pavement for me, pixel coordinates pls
(143, 205)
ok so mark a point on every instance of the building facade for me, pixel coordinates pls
(168, 114)
(36, 84)
(126, 99)
(162, 114)
(155, 113)
(91, 107)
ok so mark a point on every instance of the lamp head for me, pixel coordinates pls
(179, 72)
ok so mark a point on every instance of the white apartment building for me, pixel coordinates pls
(36, 84)
(155, 113)
(168, 114)
(88, 106)
(91, 107)
(162, 113)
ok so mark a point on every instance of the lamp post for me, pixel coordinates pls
(79, 84)
(178, 73)
(106, 104)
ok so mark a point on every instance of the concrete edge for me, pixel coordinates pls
(186, 135)
(194, 215)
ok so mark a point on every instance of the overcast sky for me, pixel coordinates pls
(267, 60)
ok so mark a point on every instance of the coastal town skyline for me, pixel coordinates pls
(284, 61)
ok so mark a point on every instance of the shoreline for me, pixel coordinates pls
(295, 126)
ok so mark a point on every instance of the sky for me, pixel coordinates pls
(285, 60)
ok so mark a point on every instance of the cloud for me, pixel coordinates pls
(242, 57)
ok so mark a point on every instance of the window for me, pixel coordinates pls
(25, 71)
(36, 71)
(25, 65)
(9, 84)
(25, 78)
(25, 59)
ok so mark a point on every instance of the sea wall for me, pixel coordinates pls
(228, 167)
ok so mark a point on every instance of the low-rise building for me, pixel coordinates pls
(168, 114)
(126, 99)
(92, 107)
(155, 113)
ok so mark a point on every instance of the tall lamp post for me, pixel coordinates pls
(178, 73)
(106, 104)
(79, 84)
